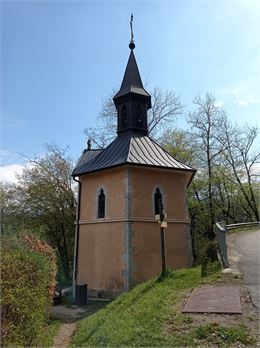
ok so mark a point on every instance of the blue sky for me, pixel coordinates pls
(59, 58)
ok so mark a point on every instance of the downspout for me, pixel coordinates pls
(76, 244)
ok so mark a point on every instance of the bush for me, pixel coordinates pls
(25, 282)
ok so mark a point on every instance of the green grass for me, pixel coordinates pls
(223, 335)
(49, 331)
(150, 315)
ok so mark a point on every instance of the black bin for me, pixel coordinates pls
(81, 295)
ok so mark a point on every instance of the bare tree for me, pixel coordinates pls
(166, 107)
(225, 186)
(242, 157)
(205, 123)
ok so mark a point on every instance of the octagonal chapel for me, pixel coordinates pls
(117, 242)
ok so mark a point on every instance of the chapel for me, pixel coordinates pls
(117, 242)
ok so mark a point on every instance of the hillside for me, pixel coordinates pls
(150, 315)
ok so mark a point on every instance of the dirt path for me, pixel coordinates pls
(69, 315)
(64, 335)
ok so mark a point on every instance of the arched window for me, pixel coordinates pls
(101, 204)
(124, 117)
(157, 201)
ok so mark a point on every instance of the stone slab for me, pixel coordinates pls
(214, 299)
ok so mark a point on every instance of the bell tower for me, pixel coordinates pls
(132, 101)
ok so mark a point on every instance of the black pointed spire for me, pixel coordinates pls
(132, 100)
(132, 80)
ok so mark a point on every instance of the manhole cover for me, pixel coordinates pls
(214, 299)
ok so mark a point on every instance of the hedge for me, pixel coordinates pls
(26, 276)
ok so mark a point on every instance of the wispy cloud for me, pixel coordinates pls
(8, 157)
(9, 172)
(256, 169)
(11, 121)
(232, 90)
(248, 99)
(219, 103)
(242, 102)
(241, 95)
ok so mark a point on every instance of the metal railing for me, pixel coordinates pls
(220, 232)
(243, 224)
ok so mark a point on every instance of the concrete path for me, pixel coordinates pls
(244, 253)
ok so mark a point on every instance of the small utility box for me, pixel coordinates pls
(81, 295)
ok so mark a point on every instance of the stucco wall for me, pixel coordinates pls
(123, 249)
(101, 261)
(172, 185)
(146, 253)
(146, 247)
(112, 182)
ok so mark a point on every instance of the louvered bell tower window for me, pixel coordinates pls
(139, 116)
(101, 204)
(124, 117)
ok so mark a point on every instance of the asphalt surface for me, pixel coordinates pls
(247, 246)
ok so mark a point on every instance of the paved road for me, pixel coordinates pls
(247, 254)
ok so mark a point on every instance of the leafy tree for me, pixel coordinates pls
(181, 144)
(11, 220)
(46, 197)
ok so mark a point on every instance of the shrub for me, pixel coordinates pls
(35, 244)
(25, 282)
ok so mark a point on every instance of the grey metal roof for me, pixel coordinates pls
(132, 149)
(87, 155)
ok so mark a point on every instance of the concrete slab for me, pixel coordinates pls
(214, 299)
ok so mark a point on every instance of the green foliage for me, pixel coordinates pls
(208, 267)
(25, 281)
(164, 274)
(43, 203)
(49, 331)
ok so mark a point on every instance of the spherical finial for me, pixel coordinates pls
(131, 45)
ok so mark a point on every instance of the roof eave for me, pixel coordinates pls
(193, 171)
(192, 176)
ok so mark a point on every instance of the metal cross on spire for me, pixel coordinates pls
(132, 45)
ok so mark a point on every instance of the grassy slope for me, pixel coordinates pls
(143, 317)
